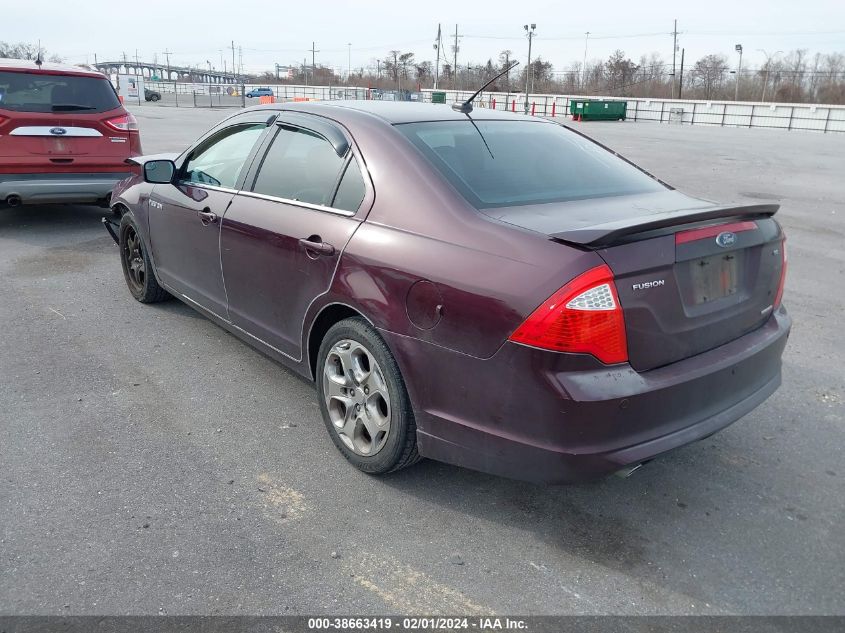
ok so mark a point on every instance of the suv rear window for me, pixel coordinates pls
(514, 163)
(36, 92)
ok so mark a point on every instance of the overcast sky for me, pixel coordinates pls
(269, 32)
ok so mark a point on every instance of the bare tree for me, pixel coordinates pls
(620, 72)
(23, 50)
(708, 72)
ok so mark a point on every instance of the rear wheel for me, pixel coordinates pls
(363, 399)
(137, 267)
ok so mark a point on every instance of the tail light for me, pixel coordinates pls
(123, 123)
(782, 281)
(582, 317)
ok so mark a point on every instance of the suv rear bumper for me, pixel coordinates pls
(530, 414)
(58, 188)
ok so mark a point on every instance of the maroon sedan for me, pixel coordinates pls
(486, 289)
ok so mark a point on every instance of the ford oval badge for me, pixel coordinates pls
(726, 239)
(58, 131)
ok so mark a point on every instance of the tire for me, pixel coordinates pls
(137, 268)
(380, 395)
(155, 98)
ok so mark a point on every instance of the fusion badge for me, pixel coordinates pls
(645, 285)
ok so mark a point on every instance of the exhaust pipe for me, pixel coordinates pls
(626, 472)
(14, 200)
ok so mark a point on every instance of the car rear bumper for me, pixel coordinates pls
(530, 414)
(56, 188)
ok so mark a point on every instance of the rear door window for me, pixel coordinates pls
(36, 92)
(300, 165)
(351, 191)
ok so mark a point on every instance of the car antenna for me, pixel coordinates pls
(466, 106)
(38, 60)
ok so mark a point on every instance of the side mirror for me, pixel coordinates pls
(159, 172)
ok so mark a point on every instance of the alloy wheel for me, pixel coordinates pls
(133, 257)
(356, 397)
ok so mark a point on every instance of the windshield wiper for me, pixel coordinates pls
(57, 107)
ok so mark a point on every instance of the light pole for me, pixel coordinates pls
(437, 63)
(530, 33)
(584, 66)
(349, 62)
(738, 49)
(768, 68)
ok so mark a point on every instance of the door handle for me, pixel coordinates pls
(207, 217)
(315, 244)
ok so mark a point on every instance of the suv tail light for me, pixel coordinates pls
(782, 281)
(123, 123)
(582, 317)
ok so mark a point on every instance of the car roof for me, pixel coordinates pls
(47, 68)
(393, 112)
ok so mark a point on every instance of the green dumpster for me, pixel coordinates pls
(598, 110)
(438, 97)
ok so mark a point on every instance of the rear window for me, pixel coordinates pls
(34, 92)
(513, 163)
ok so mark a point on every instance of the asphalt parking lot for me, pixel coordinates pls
(152, 463)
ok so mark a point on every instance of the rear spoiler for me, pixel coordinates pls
(630, 229)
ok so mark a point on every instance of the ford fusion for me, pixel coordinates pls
(481, 288)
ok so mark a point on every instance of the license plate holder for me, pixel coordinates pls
(716, 276)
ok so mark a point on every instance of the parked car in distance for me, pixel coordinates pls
(487, 289)
(64, 135)
(260, 92)
(151, 95)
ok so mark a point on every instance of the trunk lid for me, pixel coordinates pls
(56, 122)
(690, 275)
(34, 142)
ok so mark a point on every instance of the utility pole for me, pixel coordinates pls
(314, 52)
(234, 67)
(398, 74)
(528, 68)
(508, 74)
(681, 82)
(437, 63)
(584, 65)
(349, 63)
(455, 67)
(674, 51)
(167, 54)
(738, 49)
